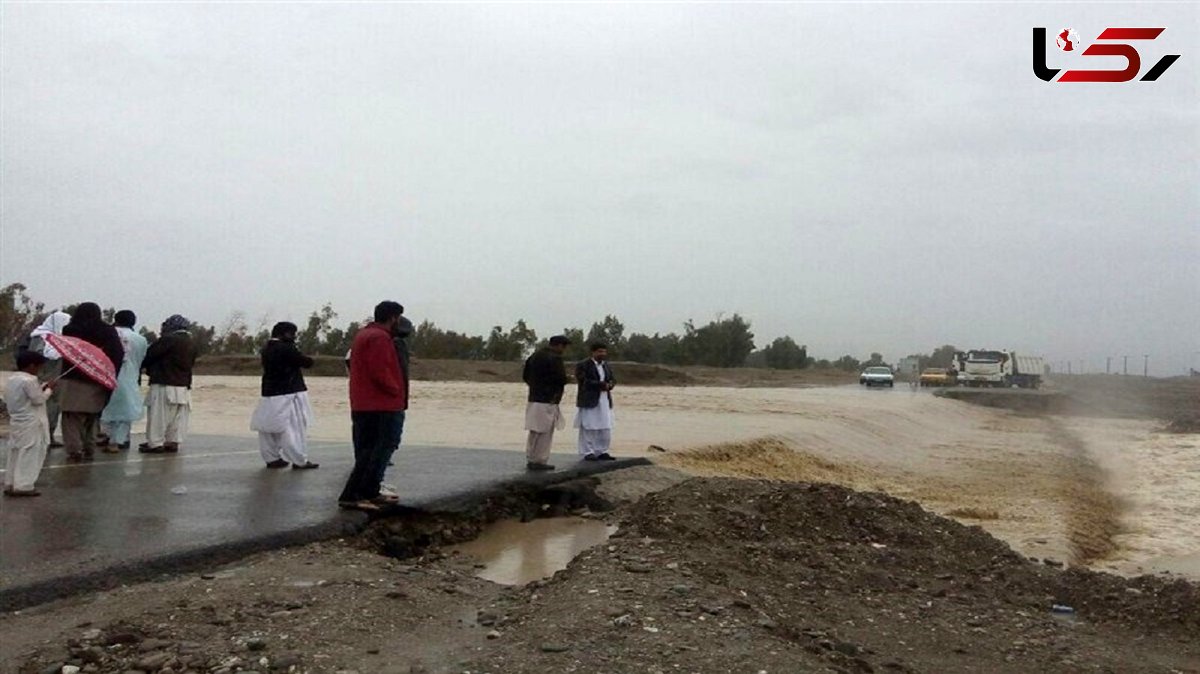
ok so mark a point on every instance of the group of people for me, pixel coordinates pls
(45, 393)
(94, 418)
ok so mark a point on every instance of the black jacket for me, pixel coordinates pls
(282, 363)
(170, 359)
(590, 383)
(546, 376)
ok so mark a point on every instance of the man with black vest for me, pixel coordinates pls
(546, 377)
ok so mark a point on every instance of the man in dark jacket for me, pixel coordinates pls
(169, 362)
(82, 399)
(283, 412)
(594, 418)
(378, 400)
(546, 376)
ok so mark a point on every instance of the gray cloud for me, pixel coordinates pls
(863, 177)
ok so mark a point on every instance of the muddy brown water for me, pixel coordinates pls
(516, 553)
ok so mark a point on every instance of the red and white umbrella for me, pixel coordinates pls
(87, 358)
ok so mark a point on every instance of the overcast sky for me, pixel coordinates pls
(863, 177)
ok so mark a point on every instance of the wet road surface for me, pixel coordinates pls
(132, 515)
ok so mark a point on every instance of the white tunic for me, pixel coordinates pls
(276, 414)
(29, 430)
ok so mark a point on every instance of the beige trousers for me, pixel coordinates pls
(540, 420)
(168, 410)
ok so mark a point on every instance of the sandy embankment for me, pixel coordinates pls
(1111, 493)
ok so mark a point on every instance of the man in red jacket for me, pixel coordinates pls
(378, 400)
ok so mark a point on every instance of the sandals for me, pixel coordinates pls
(365, 506)
(21, 492)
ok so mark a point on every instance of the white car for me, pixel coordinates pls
(877, 376)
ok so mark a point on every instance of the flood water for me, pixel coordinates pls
(515, 553)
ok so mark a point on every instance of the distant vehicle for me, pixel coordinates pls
(938, 376)
(1000, 369)
(877, 376)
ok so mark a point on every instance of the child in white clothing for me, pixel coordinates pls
(29, 427)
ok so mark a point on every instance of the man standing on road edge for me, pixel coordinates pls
(594, 418)
(377, 403)
(546, 376)
(169, 363)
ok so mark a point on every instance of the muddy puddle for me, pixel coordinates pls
(515, 553)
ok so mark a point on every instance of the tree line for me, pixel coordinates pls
(722, 342)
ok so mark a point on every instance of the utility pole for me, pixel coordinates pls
(1108, 365)
(1146, 365)
(1126, 372)
(1069, 367)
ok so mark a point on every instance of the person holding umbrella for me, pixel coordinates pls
(82, 398)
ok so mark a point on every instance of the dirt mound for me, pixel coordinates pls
(769, 457)
(717, 575)
(861, 533)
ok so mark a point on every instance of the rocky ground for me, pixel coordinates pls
(703, 575)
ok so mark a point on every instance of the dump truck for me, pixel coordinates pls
(1000, 369)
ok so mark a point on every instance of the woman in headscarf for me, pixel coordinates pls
(82, 399)
(283, 413)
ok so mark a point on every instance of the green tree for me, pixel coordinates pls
(312, 335)
(431, 342)
(848, 363)
(19, 315)
(876, 360)
(722, 343)
(639, 348)
(523, 336)
(577, 350)
(785, 354)
(501, 345)
(943, 356)
(610, 332)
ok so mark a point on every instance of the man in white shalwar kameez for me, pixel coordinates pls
(29, 427)
(594, 417)
(283, 413)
